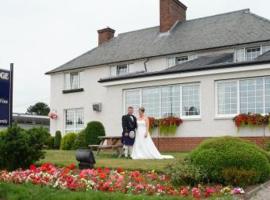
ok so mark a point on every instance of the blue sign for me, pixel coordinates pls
(5, 97)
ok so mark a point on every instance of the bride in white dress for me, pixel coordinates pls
(144, 147)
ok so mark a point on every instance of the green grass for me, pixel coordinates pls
(32, 192)
(64, 158)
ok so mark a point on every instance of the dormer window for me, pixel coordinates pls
(182, 59)
(121, 69)
(252, 53)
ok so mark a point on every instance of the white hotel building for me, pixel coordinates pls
(205, 70)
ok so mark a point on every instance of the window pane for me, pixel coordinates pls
(132, 98)
(151, 101)
(70, 114)
(267, 95)
(251, 95)
(227, 97)
(170, 101)
(74, 120)
(79, 119)
(74, 80)
(252, 53)
(182, 59)
(190, 100)
(121, 69)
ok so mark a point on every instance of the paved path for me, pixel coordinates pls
(262, 194)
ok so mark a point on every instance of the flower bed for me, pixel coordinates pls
(128, 182)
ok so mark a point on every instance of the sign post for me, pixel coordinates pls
(6, 96)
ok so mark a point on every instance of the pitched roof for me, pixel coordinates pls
(219, 61)
(238, 27)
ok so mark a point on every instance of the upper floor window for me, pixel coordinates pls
(72, 80)
(252, 53)
(121, 69)
(182, 59)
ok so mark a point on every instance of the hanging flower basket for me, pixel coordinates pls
(251, 120)
(53, 115)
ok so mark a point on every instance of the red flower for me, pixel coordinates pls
(33, 168)
(120, 170)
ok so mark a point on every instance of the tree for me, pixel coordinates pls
(39, 108)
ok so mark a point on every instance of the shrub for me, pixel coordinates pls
(57, 140)
(93, 131)
(50, 144)
(216, 156)
(20, 148)
(185, 173)
(80, 141)
(240, 177)
(68, 140)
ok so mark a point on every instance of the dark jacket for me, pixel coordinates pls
(128, 125)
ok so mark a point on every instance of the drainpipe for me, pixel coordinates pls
(145, 62)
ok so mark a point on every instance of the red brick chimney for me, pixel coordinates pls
(171, 11)
(105, 35)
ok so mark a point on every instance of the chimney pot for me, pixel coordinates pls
(171, 11)
(105, 35)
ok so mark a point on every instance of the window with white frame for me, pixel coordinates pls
(72, 80)
(182, 59)
(151, 101)
(121, 69)
(252, 53)
(164, 101)
(251, 95)
(227, 97)
(132, 98)
(74, 120)
(170, 101)
(190, 100)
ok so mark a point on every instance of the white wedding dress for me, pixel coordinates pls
(144, 148)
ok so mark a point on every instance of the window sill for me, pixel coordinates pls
(73, 91)
(191, 118)
(224, 117)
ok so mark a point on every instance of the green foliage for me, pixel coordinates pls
(217, 155)
(80, 141)
(19, 148)
(240, 177)
(39, 108)
(68, 140)
(93, 130)
(57, 140)
(184, 173)
(50, 144)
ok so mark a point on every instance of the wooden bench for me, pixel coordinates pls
(109, 142)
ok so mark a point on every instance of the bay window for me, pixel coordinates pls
(251, 95)
(163, 101)
(74, 120)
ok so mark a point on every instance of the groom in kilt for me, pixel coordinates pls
(129, 125)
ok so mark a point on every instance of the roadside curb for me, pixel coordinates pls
(255, 190)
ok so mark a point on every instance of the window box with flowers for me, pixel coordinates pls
(252, 120)
(166, 126)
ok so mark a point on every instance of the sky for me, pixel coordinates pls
(39, 35)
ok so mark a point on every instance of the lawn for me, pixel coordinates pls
(32, 192)
(64, 158)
